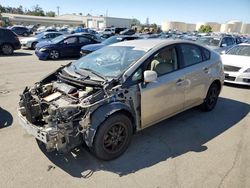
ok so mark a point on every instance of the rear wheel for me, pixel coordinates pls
(211, 98)
(33, 45)
(54, 54)
(7, 49)
(113, 137)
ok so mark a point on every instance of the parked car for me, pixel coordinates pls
(93, 47)
(31, 42)
(21, 31)
(46, 30)
(217, 44)
(62, 46)
(8, 41)
(127, 32)
(237, 64)
(104, 97)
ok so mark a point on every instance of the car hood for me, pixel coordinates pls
(43, 44)
(28, 39)
(93, 47)
(236, 60)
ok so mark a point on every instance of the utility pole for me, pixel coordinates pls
(58, 8)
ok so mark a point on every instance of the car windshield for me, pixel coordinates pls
(110, 61)
(58, 39)
(239, 50)
(40, 35)
(112, 40)
(209, 41)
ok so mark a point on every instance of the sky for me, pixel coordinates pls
(190, 11)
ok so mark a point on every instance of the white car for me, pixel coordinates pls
(236, 63)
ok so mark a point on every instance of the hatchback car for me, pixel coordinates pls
(106, 96)
(8, 41)
(236, 63)
(62, 46)
(31, 42)
(217, 44)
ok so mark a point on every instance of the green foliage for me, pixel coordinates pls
(50, 14)
(34, 11)
(205, 29)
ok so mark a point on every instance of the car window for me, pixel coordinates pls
(84, 40)
(191, 54)
(164, 61)
(71, 40)
(206, 54)
(230, 41)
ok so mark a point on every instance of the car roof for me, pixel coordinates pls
(244, 44)
(51, 32)
(148, 44)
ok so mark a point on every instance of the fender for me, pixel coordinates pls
(100, 115)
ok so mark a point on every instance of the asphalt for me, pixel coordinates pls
(192, 149)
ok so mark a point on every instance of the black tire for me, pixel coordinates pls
(54, 54)
(7, 49)
(211, 98)
(33, 45)
(113, 137)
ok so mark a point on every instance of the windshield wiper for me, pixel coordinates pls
(95, 73)
(80, 73)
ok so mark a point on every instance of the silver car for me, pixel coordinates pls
(30, 42)
(106, 96)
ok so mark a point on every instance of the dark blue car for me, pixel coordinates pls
(63, 46)
(111, 40)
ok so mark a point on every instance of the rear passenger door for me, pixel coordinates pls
(196, 65)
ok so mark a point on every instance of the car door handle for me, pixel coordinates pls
(179, 81)
(205, 70)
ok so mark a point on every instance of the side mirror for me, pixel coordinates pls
(224, 45)
(150, 76)
(223, 52)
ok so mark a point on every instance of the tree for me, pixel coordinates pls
(51, 14)
(36, 11)
(205, 29)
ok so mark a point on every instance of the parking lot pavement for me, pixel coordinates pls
(192, 149)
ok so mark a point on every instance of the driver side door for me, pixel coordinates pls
(165, 97)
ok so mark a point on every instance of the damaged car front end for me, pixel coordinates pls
(65, 109)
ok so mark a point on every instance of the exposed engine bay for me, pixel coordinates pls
(59, 108)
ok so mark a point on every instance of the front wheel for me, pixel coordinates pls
(113, 137)
(211, 98)
(54, 54)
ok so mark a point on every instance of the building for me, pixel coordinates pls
(233, 26)
(97, 22)
(245, 29)
(179, 26)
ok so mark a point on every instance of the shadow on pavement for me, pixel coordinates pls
(237, 86)
(188, 131)
(16, 54)
(6, 118)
